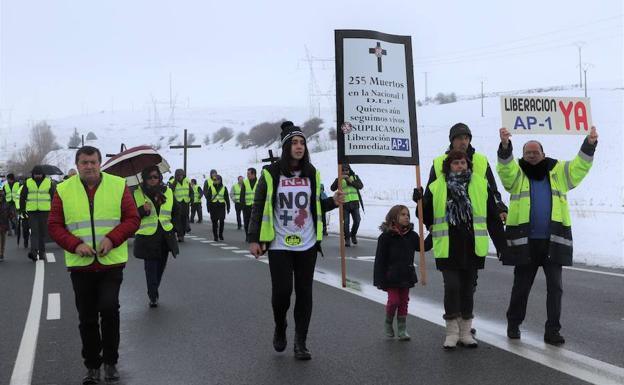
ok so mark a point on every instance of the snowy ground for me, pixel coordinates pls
(597, 204)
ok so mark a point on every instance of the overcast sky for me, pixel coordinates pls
(66, 57)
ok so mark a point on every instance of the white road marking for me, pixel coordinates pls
(241, 251)
(54, 306)
(230, 248)
(219, 244)
(207, 241)
(492, 332)
(200, 239)
(24, 363)
(50, 257)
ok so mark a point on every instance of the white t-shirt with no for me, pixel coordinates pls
(292, 217)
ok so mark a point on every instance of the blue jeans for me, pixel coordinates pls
(154, 269)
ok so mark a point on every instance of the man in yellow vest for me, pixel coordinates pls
(93, 214)
(196, 206)
(183, 196)
(460, 137)
(12, 197)
(235, 196)
(35, 200)
(539, 229)
(351, 186)
(248, 191)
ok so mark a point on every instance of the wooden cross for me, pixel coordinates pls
(122, 148)
(185, 146)
(272, 159)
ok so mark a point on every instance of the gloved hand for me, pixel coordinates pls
(417, 194)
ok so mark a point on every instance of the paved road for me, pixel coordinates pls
(214, 325)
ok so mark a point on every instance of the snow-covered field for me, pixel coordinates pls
(597, 204)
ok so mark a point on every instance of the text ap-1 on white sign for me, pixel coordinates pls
(546, 115)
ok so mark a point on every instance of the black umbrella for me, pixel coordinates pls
(49, 169)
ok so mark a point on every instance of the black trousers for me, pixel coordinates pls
(285, 265)
(97, 297)
(38, 221)
(351, 210)
(239, 208)
(459, 289)
(154, 269)
(181, 221)
(246, 218)
(524, 275)
(196, 208)
(217, 227)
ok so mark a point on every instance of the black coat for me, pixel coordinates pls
(217, 209)
(155, 245)
(394, 259)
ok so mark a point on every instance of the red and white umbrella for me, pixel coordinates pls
(129, 163)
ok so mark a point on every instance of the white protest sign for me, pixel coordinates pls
(376, 110)
(546, 115)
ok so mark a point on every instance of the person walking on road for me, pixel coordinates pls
(286, 219)
(539, 229)
(394, 270)
(6, 214)
(183, 194)
(92, 217)
(155, 238)
(247, 198)
(351, 186)
(196, 206)
(235, 195)
(460, 211)
(219, 201)
(35, 200)
(12, 197)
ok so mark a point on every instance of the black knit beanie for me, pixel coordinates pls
(288, 131)
(459, 129)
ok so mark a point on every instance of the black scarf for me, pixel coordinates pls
(458, 207)
(155, 193)
(535, 172)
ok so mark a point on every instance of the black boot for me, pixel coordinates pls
(353, 239)
(554, 338)
(301, 351)
(279, 338)
(92, 377)
(110, 373)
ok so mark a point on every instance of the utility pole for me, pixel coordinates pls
(426, 89)
(580, 45)
(586, 66)
(81, 141)
(481, 98)
(185, 146)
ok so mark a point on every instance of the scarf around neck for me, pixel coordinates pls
(458, 207)
(535, 172)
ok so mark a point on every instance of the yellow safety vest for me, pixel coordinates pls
(19, 194)
(565, 176)
(217, 197)
(91, 224)
(149, 224)
(479, 164)
(11, 194)
(351, 193)
(196, 195)
(38, 198)
(236, 189)
(249, 192)
(182, 193)
(267, 231)
(478, 194)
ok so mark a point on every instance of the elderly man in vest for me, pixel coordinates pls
(183, 196)
(196, 207)
(235, 193)
(35, 200)
(539, 231)
(351, 186)
(93, 214)
(248, 191)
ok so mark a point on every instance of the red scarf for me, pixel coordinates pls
(401, 230)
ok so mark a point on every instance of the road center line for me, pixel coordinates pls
(24, 363)
(54, 306)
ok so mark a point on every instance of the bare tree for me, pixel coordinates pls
(42, 141)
